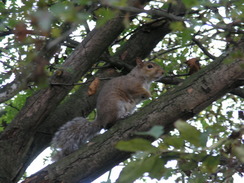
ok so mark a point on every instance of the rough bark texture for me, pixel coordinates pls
(183, 102)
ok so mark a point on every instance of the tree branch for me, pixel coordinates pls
(79, 104)
(238, 91)
(155, 13)
(205, 51)
(11, 89)
(6, 33)
(185, 101)
(46, 100)
(20, 135)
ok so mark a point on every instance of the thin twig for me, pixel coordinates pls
(205, 51)
(178, 75)
(75, 84)
(157, 13)
(65, 84)
(6, 33)
(86, 27)
(11, 105)
(167, 51)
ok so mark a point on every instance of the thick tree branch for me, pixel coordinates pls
(11, 89)
(14, 138)
(6, 33)
(19, 136)
(30, 142)
(238, 91)
(79, 104)
(185, 101)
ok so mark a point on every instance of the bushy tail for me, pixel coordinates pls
(72, 135)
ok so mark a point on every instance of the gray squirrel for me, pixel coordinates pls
(117, 99)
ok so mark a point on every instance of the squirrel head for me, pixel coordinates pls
(149, 70)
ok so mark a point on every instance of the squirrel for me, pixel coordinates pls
(117, 99)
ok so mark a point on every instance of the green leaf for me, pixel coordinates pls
(238, 151)
(186, 35)
(186, 165)
(104, 15)
(58, 8)
(204, 138)
(177, 26)
(137, 144)
(131, 172)
(157, 169)
(65, 11)
(154, 165)
(83, 2)
(44, 19)
(190, 3)
(189, 133)
(198, 177)
(56, 32)
(210, 164)
(174, 141)
(117, 2)
(14, 105)
(156, 131)
(92, 115)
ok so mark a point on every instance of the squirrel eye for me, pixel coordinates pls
(150, 66)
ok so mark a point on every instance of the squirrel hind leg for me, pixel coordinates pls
(107, 121)
(122, 110)
(126, 109)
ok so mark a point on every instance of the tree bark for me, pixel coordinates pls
(35, 124)
(80, 104)
(183, 102)
(17, 138)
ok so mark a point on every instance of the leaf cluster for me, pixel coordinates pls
(196, 159)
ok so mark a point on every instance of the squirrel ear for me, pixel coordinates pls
(139, 61)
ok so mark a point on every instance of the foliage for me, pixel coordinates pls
(209, 147)
(195, 159)
(13, 106)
